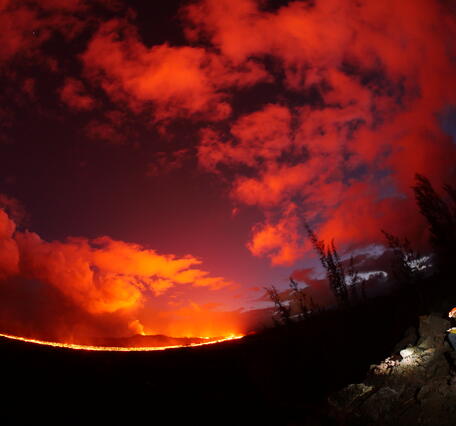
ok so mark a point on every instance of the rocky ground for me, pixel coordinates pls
(414, 386)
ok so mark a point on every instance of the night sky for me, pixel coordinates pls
(158, 159)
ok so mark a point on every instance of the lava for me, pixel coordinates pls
(116, 348)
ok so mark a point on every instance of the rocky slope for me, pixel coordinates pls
(414, 386)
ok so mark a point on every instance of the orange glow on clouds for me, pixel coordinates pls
(178, 81)
(385, 71)
(106, 277)
(339, 108)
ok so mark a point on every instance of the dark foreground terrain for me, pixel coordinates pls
(278, 377)
(415, 385)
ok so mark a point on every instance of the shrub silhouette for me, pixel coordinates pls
(299, 306)
(407, 269)
(347, 287)
(303, 304)
(441, 218)
(331, 262)
(406, 265)
(282, 312)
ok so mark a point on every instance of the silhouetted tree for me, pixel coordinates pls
(406, 265)
(441, 218)
(332, 264)
(300, 306)
(406, 268)
(281, 314)
(304, 305)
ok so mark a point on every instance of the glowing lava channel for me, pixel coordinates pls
(115, 348)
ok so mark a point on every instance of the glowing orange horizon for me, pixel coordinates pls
(75, 346)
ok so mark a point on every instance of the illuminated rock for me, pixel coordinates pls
(416, 386)
(407, 352)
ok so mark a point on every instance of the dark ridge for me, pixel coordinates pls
(158, 340)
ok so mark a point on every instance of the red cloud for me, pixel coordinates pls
(376, 76)
(27, 25)
(100, 276)
(9, 253)
(280, 239)
(75, 96)
(176, 81)
(115, 127)
(260, 137)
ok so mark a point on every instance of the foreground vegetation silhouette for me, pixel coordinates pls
(408, 270)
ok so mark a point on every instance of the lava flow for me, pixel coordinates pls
(118, 348)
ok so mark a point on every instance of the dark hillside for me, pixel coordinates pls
(280, 376)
